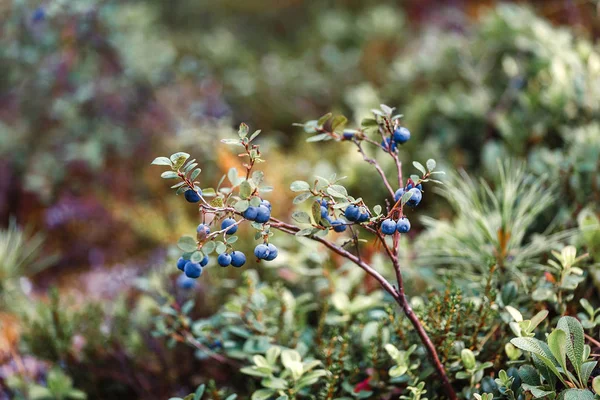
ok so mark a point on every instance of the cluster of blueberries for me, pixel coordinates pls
(192, 270)
(353, 213)
(400, 136)
(389, 226)
(416, 194)
(338, 225)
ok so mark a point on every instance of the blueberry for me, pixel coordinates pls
(339, 225)
(398, 194)
(364, 217)
(273, 252)
(403, 225)
(224, 259)
(181, 263)
(263, 215)
(266, 203)
(388, 145)
(203, 230)
(415, 197)
(261, 251)
(250, 213)
(324, 212)
(185, 283)
(388, 227)
(192, 269)
(347, 135)
(39, 14)
(409, 186)
(204, 261)
(324, 203)
(401, 135)
(192, 196)
(420, 187)
(229, 223)
(238, 259)
(352, 213)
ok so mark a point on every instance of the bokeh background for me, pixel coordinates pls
(92, 90)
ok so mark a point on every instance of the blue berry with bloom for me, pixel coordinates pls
(181, 263)
(324, 212)
(250, 213)
(398, 194)
(192, 270)
(401, 135)
(238, 259)
(266, 203)
(193, 196)
(415, 197)
(364, 217)
(261, 251)
(348, 135)
(388, 227)
(203, 230)
(339, 225)
(403, 225)
(185, 283)
(229, 224)
(388, 145)
(352, 213)
(324, 203)
(224, 260)
(273, 252)
(263, 215)
(204, 261)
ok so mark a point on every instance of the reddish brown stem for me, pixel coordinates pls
(398, 295)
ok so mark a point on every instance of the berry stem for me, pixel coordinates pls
(398, 294)
(374, 163)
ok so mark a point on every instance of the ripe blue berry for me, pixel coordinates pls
(204, 261)
(203, 231)
(324, 212)
(250, 213)
(398, 194)
(420, 187)
(403, 225)
(388, 145)
(266, 203)
(364, 217)
(224, 259)
(192, 196)
(352, 213)
(388, 227)
(181, 263)
(323, 203)
(185, 283)
(415, 197)
(229, 224)
(263, 215)
(339, 225)
(401, 135)
(347, 135)
(409, 186)
(273, 252)
(238, 259)
(192, 270)
(261, 251)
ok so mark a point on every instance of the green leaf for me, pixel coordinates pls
(245, 190)
(243, 130)
(420, 167)
(199, 392)
(208, 247)
(596, 384)
(319, 138)
(311, 378)
(274, 383)
(231, 141)
(232, 175)
(586, 370)
(337, 191)
(301, 217)
(302, 197)
(241, 206)
(187, 243)
(405, 197)
(339, 121)
(258, 177)
(386, 109)
(263, 394)
(195, 174)
(196, 256)
(377, 209)
(178, 159)
(321, 121)
(299, 186)
(576, 394)
(220, 247)
(431, 164)
(316, 212)
(161, 161)
(305, 232)
(169, 175)
(254, 135)
(557, 341)
(574, 332)
(541, 350)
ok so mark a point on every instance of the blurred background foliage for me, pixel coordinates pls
(92, 90)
